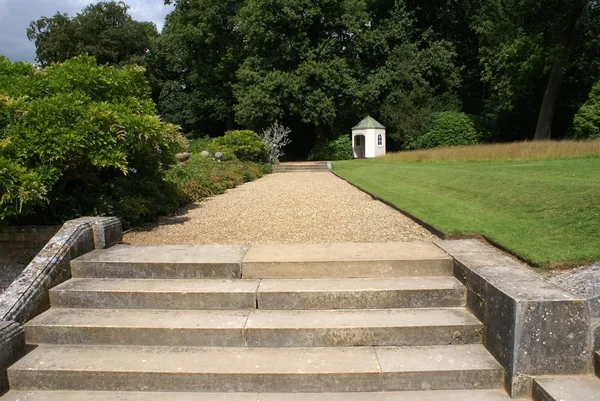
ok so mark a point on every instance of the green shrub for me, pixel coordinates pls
(335, 149)
(586, 123)
(448, 128)
(199, 145)
(202, 177)
(245, 145)
(71, 132)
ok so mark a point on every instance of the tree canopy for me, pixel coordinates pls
(518, 69)
(104, 30)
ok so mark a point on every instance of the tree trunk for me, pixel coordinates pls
(546, 115)
(229, 125)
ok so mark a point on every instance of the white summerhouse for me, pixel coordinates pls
(368, 139)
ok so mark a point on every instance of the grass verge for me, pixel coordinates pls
(547, 212)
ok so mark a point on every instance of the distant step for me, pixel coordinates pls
(447, 395)
(257, 328)
(364, 293)
(166, 261)
(566, 388)
(357, 369)
(350, 260)
(300, 167)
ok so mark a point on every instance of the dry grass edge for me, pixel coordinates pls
(515, 151)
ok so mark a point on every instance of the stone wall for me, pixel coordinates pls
(18, 246)
(27, 296)
(532, 327)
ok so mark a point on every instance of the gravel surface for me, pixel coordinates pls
(303, 207)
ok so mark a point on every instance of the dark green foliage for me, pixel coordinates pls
(73, 136)
(104, 30)
(587, 120)
(334, 149)
(245, 145)
(448, 128)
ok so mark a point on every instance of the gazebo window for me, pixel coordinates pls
(379, 140)
(357, 141)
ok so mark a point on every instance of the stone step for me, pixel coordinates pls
(366, 293)
(256, 328)
(357, 369)
(350, 260)
(166, 261)
(303, 170)
(566, 388)
(447, 395)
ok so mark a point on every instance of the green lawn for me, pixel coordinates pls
(546, 212)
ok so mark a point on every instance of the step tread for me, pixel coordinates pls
(345, 260)
(157, 285)
(256, 360)
(360, 318)
(185, 254)
(271, 319)
(568, 388)
(266, 285)
(361, 284)
(344, 252)
(446, 395)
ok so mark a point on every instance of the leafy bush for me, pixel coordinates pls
(587, 120)
(246, 145)
(275, 138)
(202, 177)
(77, 138)
(448, 128)
(335, 149)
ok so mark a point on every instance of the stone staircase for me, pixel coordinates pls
(300, 167)
(358, 322)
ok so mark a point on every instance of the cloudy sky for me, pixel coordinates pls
(16, 15)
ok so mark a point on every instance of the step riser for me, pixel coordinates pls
(266, 300)
(140, 300)
(334, 337)
(265, 270)
(449, 395)
(348, 269)
(362, 300)
(413, 336)
(155, 270)
(266, 383)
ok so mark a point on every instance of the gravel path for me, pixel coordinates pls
(303, 207)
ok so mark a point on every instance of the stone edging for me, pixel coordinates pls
(532, 326)
(27, 296)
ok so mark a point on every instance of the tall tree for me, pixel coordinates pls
(104, 30)
(557, 74)
(300, 60)
(197, 58)
(526, 51)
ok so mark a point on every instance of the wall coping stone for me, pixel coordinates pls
(532, 326)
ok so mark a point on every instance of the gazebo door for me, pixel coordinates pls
(359, 146)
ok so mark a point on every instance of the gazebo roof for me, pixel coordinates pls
(368, 122)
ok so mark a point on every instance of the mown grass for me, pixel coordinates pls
(544, 211)
(536, 150)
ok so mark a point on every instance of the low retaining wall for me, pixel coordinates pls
(27, 296)
(18, 246)
(532, 326)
